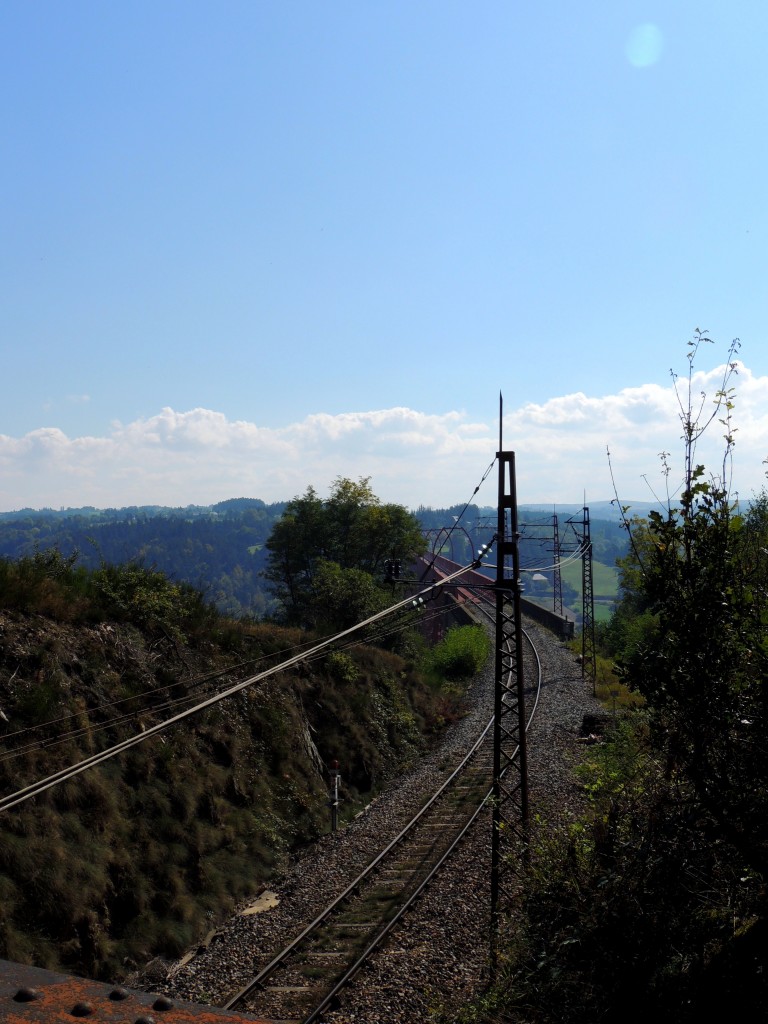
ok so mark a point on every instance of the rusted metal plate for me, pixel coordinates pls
(30, 995)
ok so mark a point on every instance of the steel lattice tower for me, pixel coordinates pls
(557, 579)
(588, 656)
(510, 776)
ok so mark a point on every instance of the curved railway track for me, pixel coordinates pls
(306, 978)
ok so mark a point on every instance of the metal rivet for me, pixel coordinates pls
(82, 1010)
(162, 1003)
(26, 995)
(118, 993)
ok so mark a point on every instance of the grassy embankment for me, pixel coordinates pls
(141, 856)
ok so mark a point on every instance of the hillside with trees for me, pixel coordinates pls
(139, 856)
(222, 549)
(219, 549)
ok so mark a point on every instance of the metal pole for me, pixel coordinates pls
(510, 773)
(334, 801)
(558, 579)
(588, 652)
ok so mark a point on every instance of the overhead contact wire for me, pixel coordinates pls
(458, 519)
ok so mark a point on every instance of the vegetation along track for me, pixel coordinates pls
(306, 977)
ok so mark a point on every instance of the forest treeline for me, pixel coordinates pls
(221, 549)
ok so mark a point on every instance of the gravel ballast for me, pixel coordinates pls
(437, 960)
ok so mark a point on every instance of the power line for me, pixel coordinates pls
(13, 799)
(457, 519)
(150, 709)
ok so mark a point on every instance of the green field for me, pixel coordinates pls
(605, 585)
(605, 579)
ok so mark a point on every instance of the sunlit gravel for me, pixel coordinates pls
(438, 959)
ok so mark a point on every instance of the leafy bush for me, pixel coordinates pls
(50, 584)
(149, 600)
(461, 653)
(47, 583)
(632, 912)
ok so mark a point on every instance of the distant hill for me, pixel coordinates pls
(607, 510)
(221, 549)
(141, 511)
(217, 548)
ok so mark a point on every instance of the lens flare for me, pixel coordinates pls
(644, 45)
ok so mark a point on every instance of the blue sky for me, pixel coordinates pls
(248, 247)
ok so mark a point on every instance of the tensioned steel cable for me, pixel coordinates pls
(382, 634)
(48, 742)
(13, 799)
(71, 734)
(458, 518)
(91, 729)
(193, 683)
(572, 557)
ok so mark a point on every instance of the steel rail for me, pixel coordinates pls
(257, 983)
(393, 922)
(355, 884)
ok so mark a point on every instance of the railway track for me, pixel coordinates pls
(305, 978)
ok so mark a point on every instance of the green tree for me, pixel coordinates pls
(704, 662)
(326, 558)
(343, 597)
(296, 541)
(653, 906)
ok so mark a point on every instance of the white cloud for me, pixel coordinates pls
(569, 436)
(200, 456)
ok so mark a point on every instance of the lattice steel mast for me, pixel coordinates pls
(557, 579)
(510, 773)
(588, 655)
